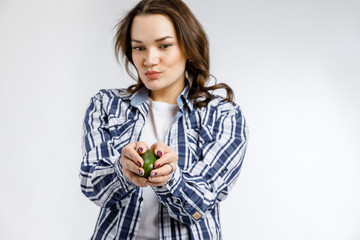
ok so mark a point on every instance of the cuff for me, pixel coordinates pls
(170, 185)
(125, 183)
(173, 193)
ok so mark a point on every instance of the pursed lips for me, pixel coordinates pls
(152, 74)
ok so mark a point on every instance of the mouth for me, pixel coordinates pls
(152, 74)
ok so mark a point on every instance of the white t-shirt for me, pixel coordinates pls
(161, 116)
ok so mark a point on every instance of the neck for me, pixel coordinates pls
(164, 96)
(168, 95)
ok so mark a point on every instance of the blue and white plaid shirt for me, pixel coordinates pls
(210, 142)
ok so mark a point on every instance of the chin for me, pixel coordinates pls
(153, 85)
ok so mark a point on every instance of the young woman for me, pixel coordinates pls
(200, 138)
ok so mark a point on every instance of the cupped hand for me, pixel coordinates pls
(164, 166)
(132, 163)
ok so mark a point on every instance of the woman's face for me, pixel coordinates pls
(158, 57)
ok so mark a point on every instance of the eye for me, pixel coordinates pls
(138, 48)
(165, 45)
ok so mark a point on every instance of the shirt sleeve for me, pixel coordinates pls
(191, 194)
(100, 175)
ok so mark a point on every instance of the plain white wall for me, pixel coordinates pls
(295, 69)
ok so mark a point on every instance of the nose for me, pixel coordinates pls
(151, 57)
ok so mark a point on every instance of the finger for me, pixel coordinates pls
(138, 181)
(166, 169)
(169, 157)
(141, 147)
(159, 148)
(130, 153)
(158, 180)
(131, 166)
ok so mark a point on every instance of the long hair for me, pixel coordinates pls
(192, 39)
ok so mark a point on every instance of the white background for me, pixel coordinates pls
(295, 69)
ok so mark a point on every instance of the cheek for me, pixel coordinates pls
(136, 60)
(177, 60)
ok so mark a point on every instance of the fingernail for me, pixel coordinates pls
(153, 174)
(138, 163)
(140, 173)
(157, 166)
(159, 153)
(140, 150)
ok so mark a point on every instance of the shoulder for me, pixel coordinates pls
(109, 100)
(217, 117)
(220, 107)
(111, 105)
(112, 94)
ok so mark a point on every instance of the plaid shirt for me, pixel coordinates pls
(210, 142)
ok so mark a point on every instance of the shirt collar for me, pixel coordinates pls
(183, 100)
(140, 96)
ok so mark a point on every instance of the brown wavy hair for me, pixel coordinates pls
(192, 39)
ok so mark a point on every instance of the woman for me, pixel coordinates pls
(200, 138)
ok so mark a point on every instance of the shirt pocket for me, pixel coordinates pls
(120, 131)
(197, 139)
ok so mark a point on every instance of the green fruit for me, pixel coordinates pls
(149, 159)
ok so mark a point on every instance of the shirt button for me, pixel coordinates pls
(186, 204)
(224, 170)
(116, 195)
(131, 235)
(141, 199)
(171, 182)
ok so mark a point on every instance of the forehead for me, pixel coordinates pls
(151, 27)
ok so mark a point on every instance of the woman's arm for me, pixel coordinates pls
(101, 178)
(191, 194)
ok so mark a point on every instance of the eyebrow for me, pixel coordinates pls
(157, 40)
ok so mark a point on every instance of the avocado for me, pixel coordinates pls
(149, 159)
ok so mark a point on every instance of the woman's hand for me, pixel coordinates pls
(164, 166)
(132, 163)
